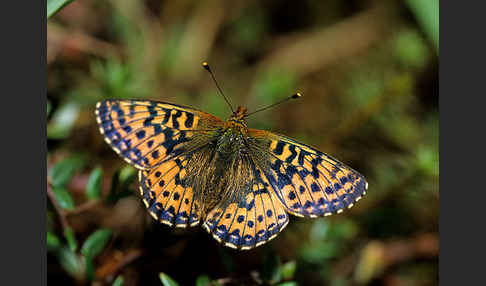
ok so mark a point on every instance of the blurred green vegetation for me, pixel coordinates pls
(369, 74)
(55, 5)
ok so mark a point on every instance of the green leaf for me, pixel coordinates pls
(64, 198)
(410, 49)
(89, 268)
(428, 160)
(128, 175)
(53, 242)
(71, 239)
(70, 262)
(59, 127)
(93, 187)
(96, 242)
(63, 170)
(427, 14)
(120, 183)
(288, 270)
(166, 280)
(118, 281)
(55, 5)
(203, 280)
(288, 283)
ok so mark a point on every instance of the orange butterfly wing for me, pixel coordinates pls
(308, 182)
(165, 195)
(146, 132)
(251, 222)
(153, 137)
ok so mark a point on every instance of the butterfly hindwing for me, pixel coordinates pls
(248, 223)
(308, 182)
(146, 132)
(166, 196)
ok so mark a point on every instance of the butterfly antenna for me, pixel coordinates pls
(206, 67)
(293, 96)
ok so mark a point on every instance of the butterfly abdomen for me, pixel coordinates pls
(219, 173)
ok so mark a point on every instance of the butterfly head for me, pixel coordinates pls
(240, 113)
(237, 119)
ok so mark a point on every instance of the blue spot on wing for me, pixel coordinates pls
(240, 219)
(140, 134)
(127, 128)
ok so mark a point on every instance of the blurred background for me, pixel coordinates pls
(368, 71)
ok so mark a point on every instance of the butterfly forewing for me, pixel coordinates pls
(306, 181)
(145, 132)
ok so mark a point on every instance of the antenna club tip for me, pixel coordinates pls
(205, 65)
(297, 95)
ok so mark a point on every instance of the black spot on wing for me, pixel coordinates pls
(189, 120)
(166, 115)
(279, 148)
(175, 123)
(292, 155)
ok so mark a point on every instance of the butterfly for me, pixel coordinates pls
(240, 183)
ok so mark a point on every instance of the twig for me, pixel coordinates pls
(317, 49)
(83, 207)
(110, 269)
(200, 36)
(78, 40)
(378, 256)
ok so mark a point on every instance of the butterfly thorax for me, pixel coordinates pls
(230, 140)
(223, 174)
(230, 137)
